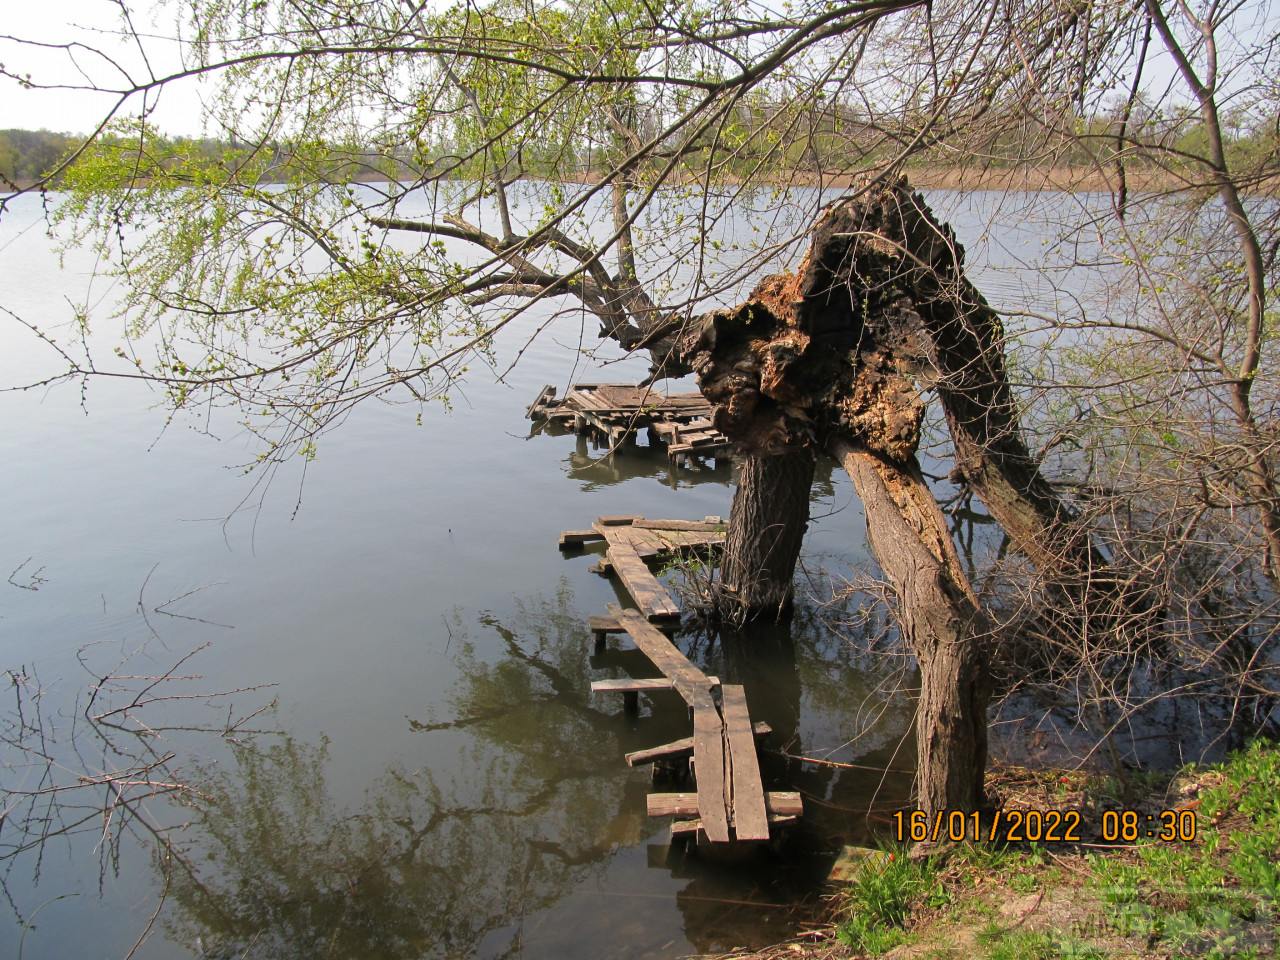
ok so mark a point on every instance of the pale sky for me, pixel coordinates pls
(97, 24)
(94, 23)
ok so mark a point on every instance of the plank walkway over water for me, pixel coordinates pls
(614, 412)
(631, 541)
(730, 803)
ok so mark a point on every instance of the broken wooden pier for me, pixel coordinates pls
(632, 542)
(729, 804)
(612, 414)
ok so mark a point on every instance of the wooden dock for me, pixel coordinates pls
(730, 803)
(614, 413)
(631, 542)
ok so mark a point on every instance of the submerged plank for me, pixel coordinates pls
(778, 802)
(749, 818)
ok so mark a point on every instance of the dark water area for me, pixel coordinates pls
(433, 776)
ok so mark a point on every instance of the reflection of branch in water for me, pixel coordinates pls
(34, 579)
(96, 772)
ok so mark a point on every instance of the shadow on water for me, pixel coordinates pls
(542, 815)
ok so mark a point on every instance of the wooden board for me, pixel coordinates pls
(604, 625)
(750, 821)
(650, 596)
(681, 827)
(779, 803)
(692, 683)
(688, 526)
(712, 798)
(576, 538)
(547, 394)
(680, 747)
(631, 685)
(617, 520)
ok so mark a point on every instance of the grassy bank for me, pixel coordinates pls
(1216, 896)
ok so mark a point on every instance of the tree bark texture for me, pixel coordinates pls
(940, 620)
(766, 528)
(886, 247)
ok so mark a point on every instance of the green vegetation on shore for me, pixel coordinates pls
(1214, 897)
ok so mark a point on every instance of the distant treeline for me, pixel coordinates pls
(836, 143)
(26, 155)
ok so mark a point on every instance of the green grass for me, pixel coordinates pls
(1212, 897)
(881, 897)
(998, 943)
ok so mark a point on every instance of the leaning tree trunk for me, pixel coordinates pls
(766, 527)
(939, 618)
(885, 243)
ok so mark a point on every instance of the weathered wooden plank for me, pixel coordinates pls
(779, 803)
(632, 685)
(749, 817)
(576, 538)
(604, 624)
(547, 394)
(709, 770)
(690, 526)
(692, 683)
(680, 747)
(617, 520)
(650, 596)
(681, 827)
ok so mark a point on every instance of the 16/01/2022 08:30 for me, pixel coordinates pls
(1042, 826)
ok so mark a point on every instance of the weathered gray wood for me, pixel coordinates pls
(682, 827)
(691, 682)
(693, 526)
(617, 520)
(547, 394)
(778, 802)
(576, 538)
(749, 818)
(650, 596)
(644, 685)
(709, 770)
(681, 747)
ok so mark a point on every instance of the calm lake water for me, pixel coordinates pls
(434, 777)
